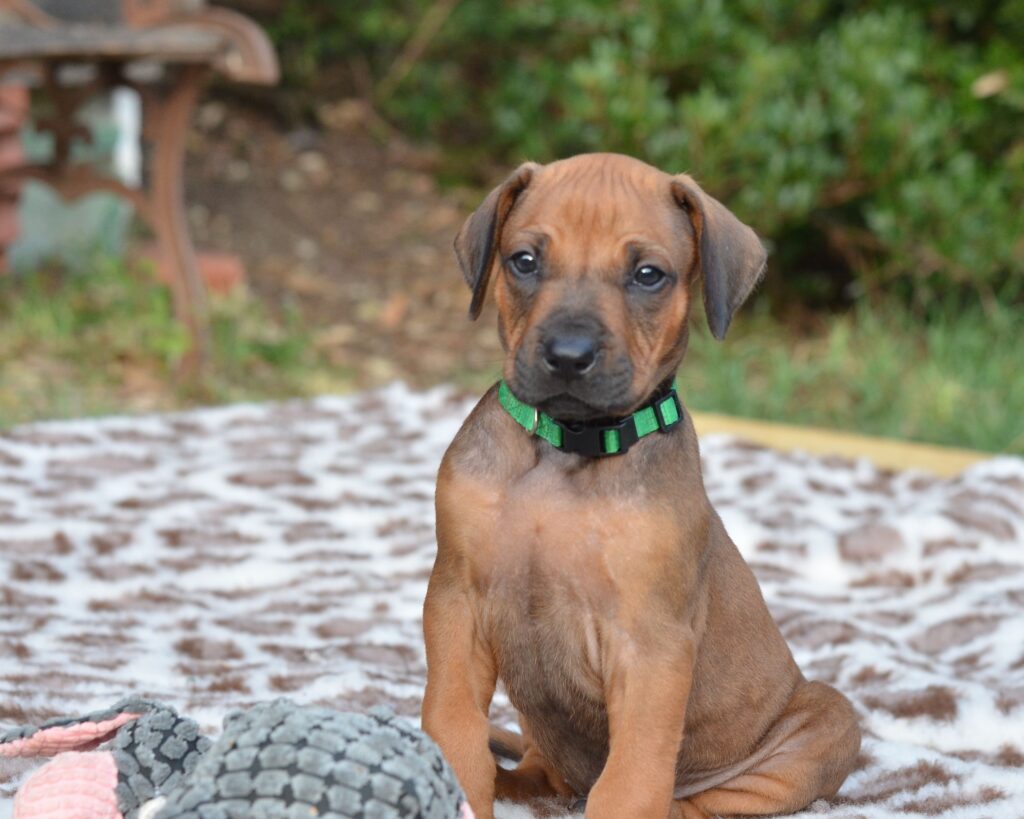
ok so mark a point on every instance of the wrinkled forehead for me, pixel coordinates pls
(608, 205)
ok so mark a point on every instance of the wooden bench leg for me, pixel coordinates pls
(13, 111)
(168, 132)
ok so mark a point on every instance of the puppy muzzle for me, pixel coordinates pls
(571, 367)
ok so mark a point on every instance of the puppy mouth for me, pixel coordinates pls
(566, 407)
(574, 405)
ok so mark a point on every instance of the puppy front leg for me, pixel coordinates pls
(646, 690)
(461, 678)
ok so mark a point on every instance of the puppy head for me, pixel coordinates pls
(592, 259)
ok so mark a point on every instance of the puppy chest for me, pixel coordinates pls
(554, 579)
(542, 626)
(547, 642)
(559, 530)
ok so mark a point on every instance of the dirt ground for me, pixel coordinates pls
(347, 223)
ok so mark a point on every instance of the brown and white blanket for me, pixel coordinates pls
(215, 558)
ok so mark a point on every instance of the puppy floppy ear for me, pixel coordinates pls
(731, 257)
(477, 241)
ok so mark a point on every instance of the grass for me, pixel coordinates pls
(107, 343)
(954, 379)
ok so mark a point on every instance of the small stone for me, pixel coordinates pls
(302, 140)
(368, 202)
(990, 84)
(238, 130)
(315, 166)
(237, 170)
(381, 369)
(306, 249)
(292, 181)
(344, 114)
(334, 336)
(212, 115)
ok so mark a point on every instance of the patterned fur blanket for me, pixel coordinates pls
(216, 558)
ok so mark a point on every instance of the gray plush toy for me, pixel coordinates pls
(277, 759)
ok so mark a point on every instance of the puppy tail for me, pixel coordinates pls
(506, 744)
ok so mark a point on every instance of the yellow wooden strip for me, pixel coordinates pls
(886, 452)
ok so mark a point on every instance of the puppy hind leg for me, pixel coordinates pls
(534, 777)
(813, 747)
(506, 744)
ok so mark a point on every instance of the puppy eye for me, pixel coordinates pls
(525, 264)
(649, 276)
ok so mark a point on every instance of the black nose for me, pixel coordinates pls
(570, 356)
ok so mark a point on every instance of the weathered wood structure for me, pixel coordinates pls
(68, 51)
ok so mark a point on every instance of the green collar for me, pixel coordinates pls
(597, 440)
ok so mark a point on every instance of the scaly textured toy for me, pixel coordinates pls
(277, 759)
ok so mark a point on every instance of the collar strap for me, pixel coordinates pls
(600, 439)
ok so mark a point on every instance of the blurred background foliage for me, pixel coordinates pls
(878, 146)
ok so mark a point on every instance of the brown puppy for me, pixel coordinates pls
(604, 592)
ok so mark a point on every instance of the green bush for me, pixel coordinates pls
(878, 146)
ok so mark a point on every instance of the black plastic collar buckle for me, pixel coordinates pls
(662, 424)
(589, 440)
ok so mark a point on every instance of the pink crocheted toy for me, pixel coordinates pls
(140, 760)
(148, 749)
